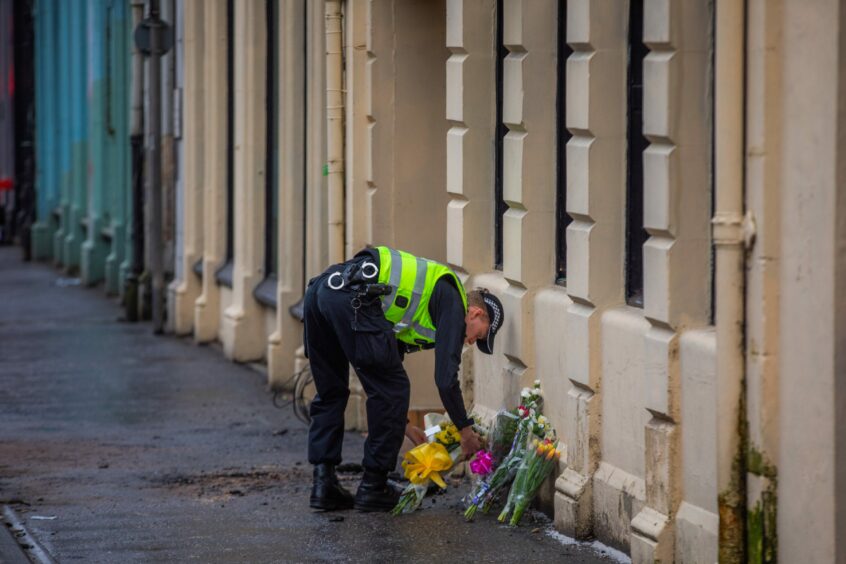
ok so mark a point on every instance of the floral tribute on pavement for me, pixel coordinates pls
(424, 463)
(521, 453)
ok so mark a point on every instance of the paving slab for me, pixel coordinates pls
(120, 446)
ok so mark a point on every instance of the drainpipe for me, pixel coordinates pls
(156, 265)
(136, 141)
(335, 129)
(730, 233)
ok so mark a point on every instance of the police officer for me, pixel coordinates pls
(369, 312)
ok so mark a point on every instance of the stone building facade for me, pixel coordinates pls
(654, 188)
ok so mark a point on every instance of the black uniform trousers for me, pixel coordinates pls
(337, 335)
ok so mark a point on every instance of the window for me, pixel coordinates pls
(636, 143)
(265, 292)
(499, 134)
(271, 262)
(562, 134)
(224, 275)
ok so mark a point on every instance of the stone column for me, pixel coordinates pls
(812, 301)
(242, 327)
(676, 261)
(207, 305)
(765, 51)
(596, 100)
(93, 252)
(287, 338)
(471, 112)
(185, 290)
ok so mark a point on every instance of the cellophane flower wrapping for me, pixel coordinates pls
(529, 421)
(501, 434)
(423, 465)
(534, 469)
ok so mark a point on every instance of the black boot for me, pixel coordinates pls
(327, 493)
(375, 493)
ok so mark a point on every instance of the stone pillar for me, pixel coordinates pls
(118, 180)
(596, 100)
(471, 113)
(287, 338)
(765, 51)
(316, 249)
(61, 64)
(529, 90)
(93, 253)
(812, 301)
(76, 212)
(676, 255)
(207, 305)
(242, 327)
(184, 290)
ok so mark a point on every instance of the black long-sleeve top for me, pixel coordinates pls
(447, 311)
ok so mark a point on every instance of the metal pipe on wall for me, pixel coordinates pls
(335, 129)
(729, 237)
(155, 185)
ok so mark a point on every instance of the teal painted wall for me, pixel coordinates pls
(82, 134)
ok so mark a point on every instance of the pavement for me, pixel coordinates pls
(120, 446)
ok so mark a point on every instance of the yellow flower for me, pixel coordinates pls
(425, 462)
(448, 435)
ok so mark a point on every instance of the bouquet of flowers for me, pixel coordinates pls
(533, 471)
(501, 434)
(529, 422)
(424, 463)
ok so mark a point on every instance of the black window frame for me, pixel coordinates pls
(265, 292)
(636, 144)
(224, 273)
(563, 136)
(500, 207)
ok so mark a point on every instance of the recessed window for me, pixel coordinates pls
(636, 143)
(271, 262)
(500, 206)
(230, 129)
(224, 274)
(562, 134)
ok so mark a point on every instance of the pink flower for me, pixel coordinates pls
(482, 464)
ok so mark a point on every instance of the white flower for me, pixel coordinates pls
(525, 393)
(537, 383)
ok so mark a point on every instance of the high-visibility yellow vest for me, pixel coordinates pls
(412, 280)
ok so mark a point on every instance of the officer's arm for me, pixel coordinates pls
(447, 311)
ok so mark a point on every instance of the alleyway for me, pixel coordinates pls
(118, 446)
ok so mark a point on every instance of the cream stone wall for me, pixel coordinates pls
(613, 373)
(811, 489)
(647, 420)
(395, 188)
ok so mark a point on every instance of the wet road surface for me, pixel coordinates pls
(120, 446)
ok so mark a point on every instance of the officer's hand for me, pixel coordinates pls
(470, 441)
(415, 434)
